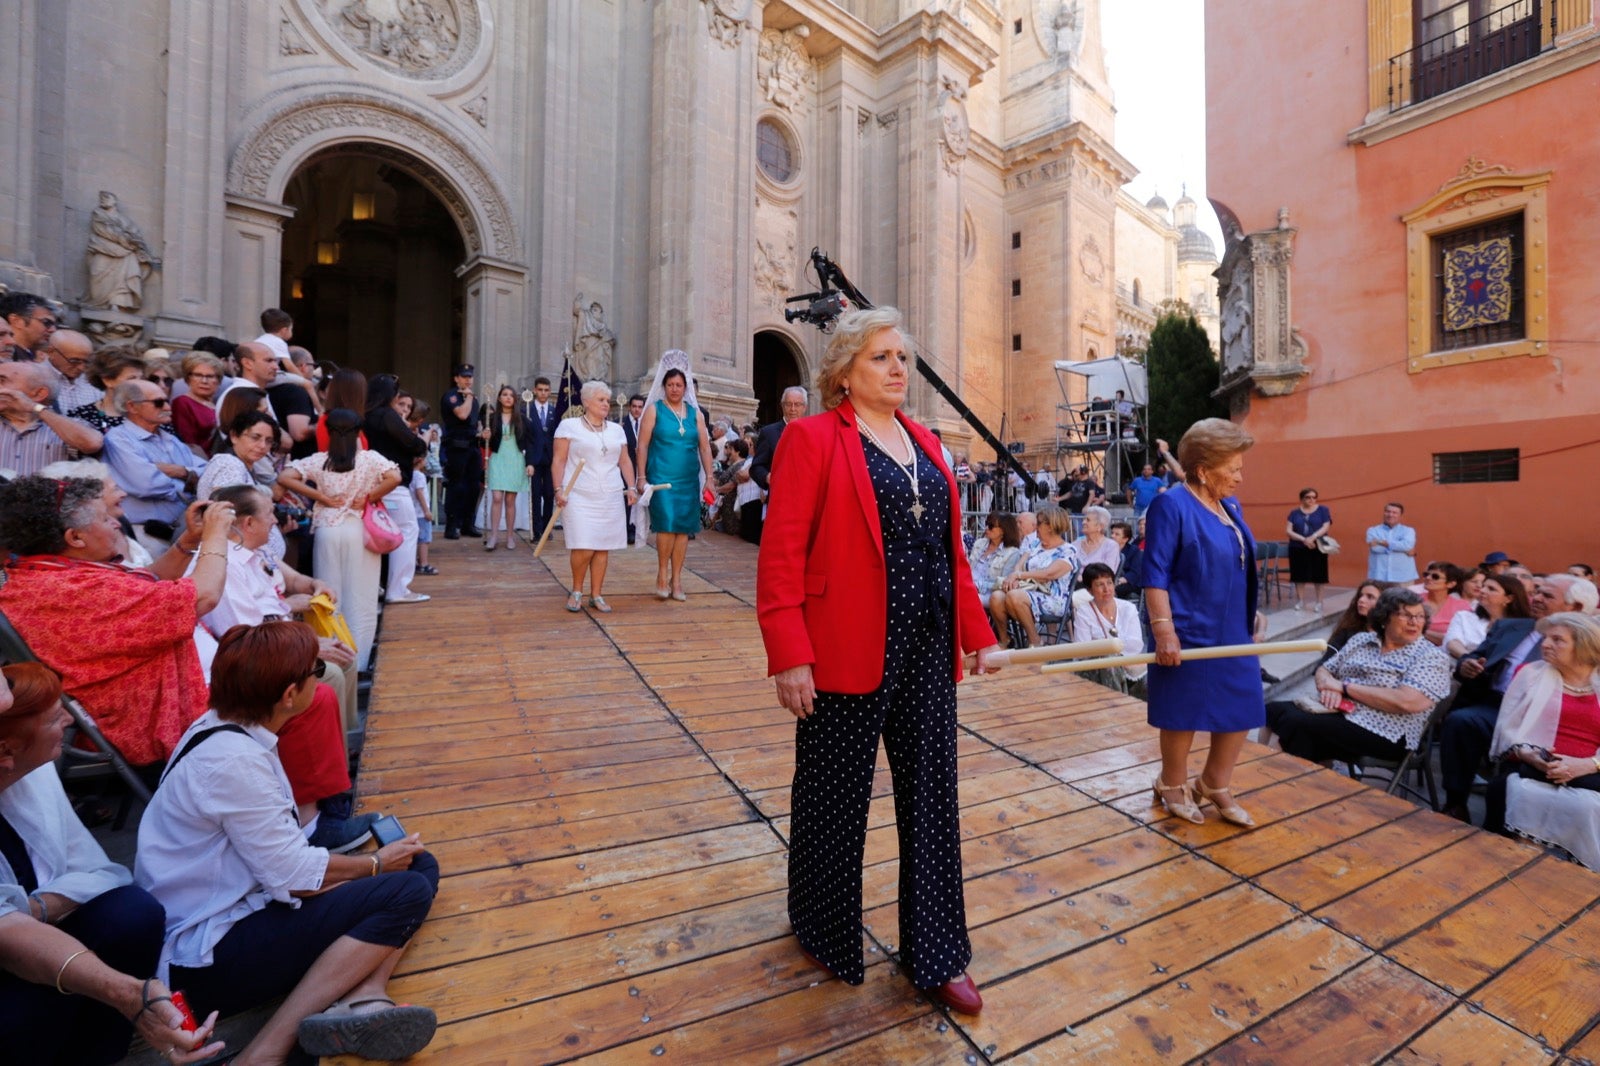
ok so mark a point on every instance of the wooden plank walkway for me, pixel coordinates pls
(608, 797)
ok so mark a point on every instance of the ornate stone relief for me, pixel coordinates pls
(291, 42)
(784, 70)
(777, 243)
(428, 155)
(415, 38)
(1090, 260)
(727, 20)
(478, 109)
(1260, 347)
(1060, 27)
(1473, 169)
(955, 133)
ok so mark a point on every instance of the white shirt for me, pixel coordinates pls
(1089, 624)
(248, 596)
(66, 858)
(1468, 628)
(277, 345)
(220, 840)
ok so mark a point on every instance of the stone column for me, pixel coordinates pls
(18, 70)
(701, 172)
(192, 231)
(496, 292)
(252, 261)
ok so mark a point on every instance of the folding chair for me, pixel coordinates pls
(1418, 763)
(78, 763)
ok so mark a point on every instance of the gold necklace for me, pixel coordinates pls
(676, 415)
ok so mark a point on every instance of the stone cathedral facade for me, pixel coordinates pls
(500, 181)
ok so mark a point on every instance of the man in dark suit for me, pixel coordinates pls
(793, 406)
(541, 452)
(1485, 673)
(630, 429)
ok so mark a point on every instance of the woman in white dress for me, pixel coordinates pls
(591, 521)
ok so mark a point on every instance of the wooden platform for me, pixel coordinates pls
(608, 797)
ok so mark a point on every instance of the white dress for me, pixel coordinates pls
(595, 518)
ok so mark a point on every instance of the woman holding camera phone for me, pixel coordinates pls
(254, 912)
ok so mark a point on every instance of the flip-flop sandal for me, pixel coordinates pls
(396, 1032)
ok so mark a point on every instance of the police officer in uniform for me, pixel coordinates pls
(463, 462)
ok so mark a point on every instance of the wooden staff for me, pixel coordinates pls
(1047, 653)
(1227, 651)
(556, 516)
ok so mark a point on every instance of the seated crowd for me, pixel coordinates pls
(160, 539)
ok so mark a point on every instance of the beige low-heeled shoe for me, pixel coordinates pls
(1222, 800)
(1181, 805)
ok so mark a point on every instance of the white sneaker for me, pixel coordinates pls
(414, 597)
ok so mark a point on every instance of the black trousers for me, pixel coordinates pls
(267, 953)
(1319, 737)
(463, 484)
(914, 710)
(750, 522)
(41, 1027)
(542, 501)
(1464, 738)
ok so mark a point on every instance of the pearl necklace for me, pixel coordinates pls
(601, 432)
(1577, 690)
(910, 468)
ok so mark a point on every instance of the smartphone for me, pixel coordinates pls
(387, 830)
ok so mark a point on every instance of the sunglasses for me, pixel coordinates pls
(1434, 574)
(160, 380)
(318, 671)
(47, 323)
(159, 401)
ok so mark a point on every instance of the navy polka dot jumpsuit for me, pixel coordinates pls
(914, 710)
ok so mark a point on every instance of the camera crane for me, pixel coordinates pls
(834, 296)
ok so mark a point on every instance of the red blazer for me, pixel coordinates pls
(821, 592)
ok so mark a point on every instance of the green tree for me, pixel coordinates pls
(1183, 373)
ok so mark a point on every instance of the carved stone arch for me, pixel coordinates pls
(290, 128)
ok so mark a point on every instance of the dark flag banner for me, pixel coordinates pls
(569, 393)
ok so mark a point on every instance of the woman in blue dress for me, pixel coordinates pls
(1200, 589)
(676, 451)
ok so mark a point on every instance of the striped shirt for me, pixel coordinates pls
(72, 392)
(30, 448)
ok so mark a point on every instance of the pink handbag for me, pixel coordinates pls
(378, 530)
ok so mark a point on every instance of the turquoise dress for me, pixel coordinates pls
(675, 459)
(508, 470)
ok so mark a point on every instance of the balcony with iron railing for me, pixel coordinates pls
(1467, 49)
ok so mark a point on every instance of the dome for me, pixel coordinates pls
(1193, 244)
(1156, 203)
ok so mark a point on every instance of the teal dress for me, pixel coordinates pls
(508, 470)
(675, 459)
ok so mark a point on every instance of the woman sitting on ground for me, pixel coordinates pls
(1354, 619)
(250, 916)
(1042, 586)
(1547, 739)
(69, 916)
(1104, 617)
(993, 555)
(1096, 545)
(1441, 595)
(123, 640)
(1376, 693)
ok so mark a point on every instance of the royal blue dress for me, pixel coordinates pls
(1210, 577)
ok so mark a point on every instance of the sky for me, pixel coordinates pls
(1155, 52)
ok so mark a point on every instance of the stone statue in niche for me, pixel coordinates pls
(593, 342)
(119, 259)
(415, 35)
(1063, 29)
(955, 133)
(1238, 351)
(785, 72)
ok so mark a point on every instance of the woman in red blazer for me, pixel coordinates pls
(866, 607)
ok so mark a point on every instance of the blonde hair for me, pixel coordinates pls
(1055, 519)
(851, 333)
(1585, 634)
(1210, 442)
(195, 360)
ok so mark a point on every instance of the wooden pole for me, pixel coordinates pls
(1227, 651)
(556, 516)
(1048, 653)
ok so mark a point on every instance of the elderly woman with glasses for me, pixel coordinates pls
(1375, 695)
(194, 414)
(255, 912)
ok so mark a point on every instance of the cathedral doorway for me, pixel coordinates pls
(369, 269)
(778, 366)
